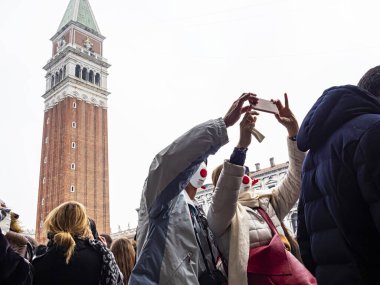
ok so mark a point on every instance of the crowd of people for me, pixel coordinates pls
(334, 173)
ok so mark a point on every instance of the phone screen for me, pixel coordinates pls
(265, 106)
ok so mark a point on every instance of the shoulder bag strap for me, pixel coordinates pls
(193, 218)
(269, 221)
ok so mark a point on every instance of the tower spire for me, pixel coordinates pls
(79, 11)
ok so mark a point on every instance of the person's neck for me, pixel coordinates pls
(191, 191)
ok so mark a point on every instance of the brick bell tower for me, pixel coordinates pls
(74, 157)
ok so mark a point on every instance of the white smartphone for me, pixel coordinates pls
(265, 106)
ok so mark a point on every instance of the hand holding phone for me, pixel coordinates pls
(265, 106)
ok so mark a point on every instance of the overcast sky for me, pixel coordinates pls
(176, 64)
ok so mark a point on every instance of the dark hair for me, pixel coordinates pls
(108, 239)
(371, 81)
(124, 253)
(93, 228)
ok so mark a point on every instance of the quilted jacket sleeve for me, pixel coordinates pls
(303, 238)
(285, 195)
(367, 164)
(224, 200)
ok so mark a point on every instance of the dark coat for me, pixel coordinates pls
(339, 207)
(14, 269)
(84, 267)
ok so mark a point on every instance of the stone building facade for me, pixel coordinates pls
(268, 178)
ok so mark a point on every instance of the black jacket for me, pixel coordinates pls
(84, 267)
(339, 207)
(14, 269)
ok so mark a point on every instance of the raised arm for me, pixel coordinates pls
(224, 201)
(285, 195)
(173, 166)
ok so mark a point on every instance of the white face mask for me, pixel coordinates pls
(199, 176)
(246, 183)
(5, 224)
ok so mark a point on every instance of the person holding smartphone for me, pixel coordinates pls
(172, 245)
(233, 215)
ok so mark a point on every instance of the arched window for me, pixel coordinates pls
(60, 74)
(52, 82)
(64, 71)
(91, 76)
(84, 74)
(77, 71)
(56, 78)
(97, 79)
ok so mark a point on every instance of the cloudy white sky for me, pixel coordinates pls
(176, 64)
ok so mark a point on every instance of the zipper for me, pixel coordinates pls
(188, 258)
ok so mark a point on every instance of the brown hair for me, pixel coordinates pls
(108, 239)
(124, 253)
(15, 224)
(65, 222)
(215, 174)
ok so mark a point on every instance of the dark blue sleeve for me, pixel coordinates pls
(238, 156)
(303, 238)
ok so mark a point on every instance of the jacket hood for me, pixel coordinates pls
(335, 107)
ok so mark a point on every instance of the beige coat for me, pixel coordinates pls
(224, 202)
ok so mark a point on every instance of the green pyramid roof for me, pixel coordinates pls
(79, 11)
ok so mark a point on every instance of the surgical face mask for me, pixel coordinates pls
(5, 223)
(199, 176)
(246, 183)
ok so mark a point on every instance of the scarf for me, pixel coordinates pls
(239, 239)
(110, 274)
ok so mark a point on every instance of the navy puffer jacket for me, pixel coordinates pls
(339, 207)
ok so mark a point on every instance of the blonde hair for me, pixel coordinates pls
(65, 222)
(125, 255)
(15, 224)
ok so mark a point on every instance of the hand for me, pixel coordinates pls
(246, 124)
(234, 113)
(286, 117)
(103, 240)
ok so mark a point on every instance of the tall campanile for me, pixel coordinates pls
(74, 157)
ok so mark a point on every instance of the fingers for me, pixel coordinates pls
(278, 104)
(286, 100)
(245, 109)
(246, 97)
(249, 119)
